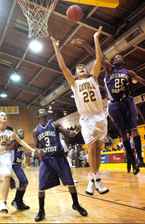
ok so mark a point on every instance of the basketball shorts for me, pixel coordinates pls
(6, 164)
(52, 170)
(123, 114)
(19, 176)
(93, 128)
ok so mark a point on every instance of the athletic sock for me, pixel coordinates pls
(137, 143)
(41, 202)
(74, 195)
(91, 176)
(129, 152)
(18, 196)
(22, 195)
(97, 176)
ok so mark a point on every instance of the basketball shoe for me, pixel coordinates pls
(3, 207)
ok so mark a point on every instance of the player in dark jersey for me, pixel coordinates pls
(19, 174)
(53, 165)
(121, 106)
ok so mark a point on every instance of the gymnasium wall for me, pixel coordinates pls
(24, 120)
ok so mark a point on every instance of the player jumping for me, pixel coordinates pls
(90, 107)
(121, 106)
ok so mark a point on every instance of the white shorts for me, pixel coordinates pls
(93, 128)
(6, 164)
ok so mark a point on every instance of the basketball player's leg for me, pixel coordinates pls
(129, 151)
(21, 189)
(94, 156)
(76, 205)
(47, 179)
(129, 163)
(5, 172)
(5, 192)
(132, 119)
(41, 213)
(94, 130)
(92, 151)
(138, 146)
(62, 168)
(119, 115)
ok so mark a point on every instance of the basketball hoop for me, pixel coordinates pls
(37, 13)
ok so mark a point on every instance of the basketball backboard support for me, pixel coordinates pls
(98, 3)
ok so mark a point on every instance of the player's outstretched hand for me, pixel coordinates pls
(97, 34)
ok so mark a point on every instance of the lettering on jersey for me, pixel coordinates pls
(46, 134)
(117, 75)
(120, 81)
(49, 149)
(4, 139)
(86, 86)
(87, 89)
(117, 84)
(46, 137)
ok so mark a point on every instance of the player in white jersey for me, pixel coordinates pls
(90, 107)
(7, 138)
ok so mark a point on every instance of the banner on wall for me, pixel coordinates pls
(117, 158)
(104, 158)
(10, 109)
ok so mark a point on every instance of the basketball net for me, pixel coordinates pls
(37, 13)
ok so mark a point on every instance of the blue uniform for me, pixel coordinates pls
(121, 106)
(53, 165)
(20, 176)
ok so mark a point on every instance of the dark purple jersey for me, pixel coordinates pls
(48, 138)
(117, 83)
(18, 154)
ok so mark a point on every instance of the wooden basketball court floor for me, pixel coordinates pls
(125, 203)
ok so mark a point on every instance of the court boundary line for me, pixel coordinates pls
(113, 202)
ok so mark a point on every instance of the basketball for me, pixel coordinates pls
(74, 13)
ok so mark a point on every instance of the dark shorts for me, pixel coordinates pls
(19, 176)
(124, 114)
(52, 170)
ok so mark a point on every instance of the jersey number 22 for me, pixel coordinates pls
(89, 96)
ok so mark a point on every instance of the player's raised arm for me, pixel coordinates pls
(67, 73)
(136, 77)
(23, 143)
(107, 65)
(96, 68)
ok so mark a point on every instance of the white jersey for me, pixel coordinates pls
(5, 137)
(87, 96)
